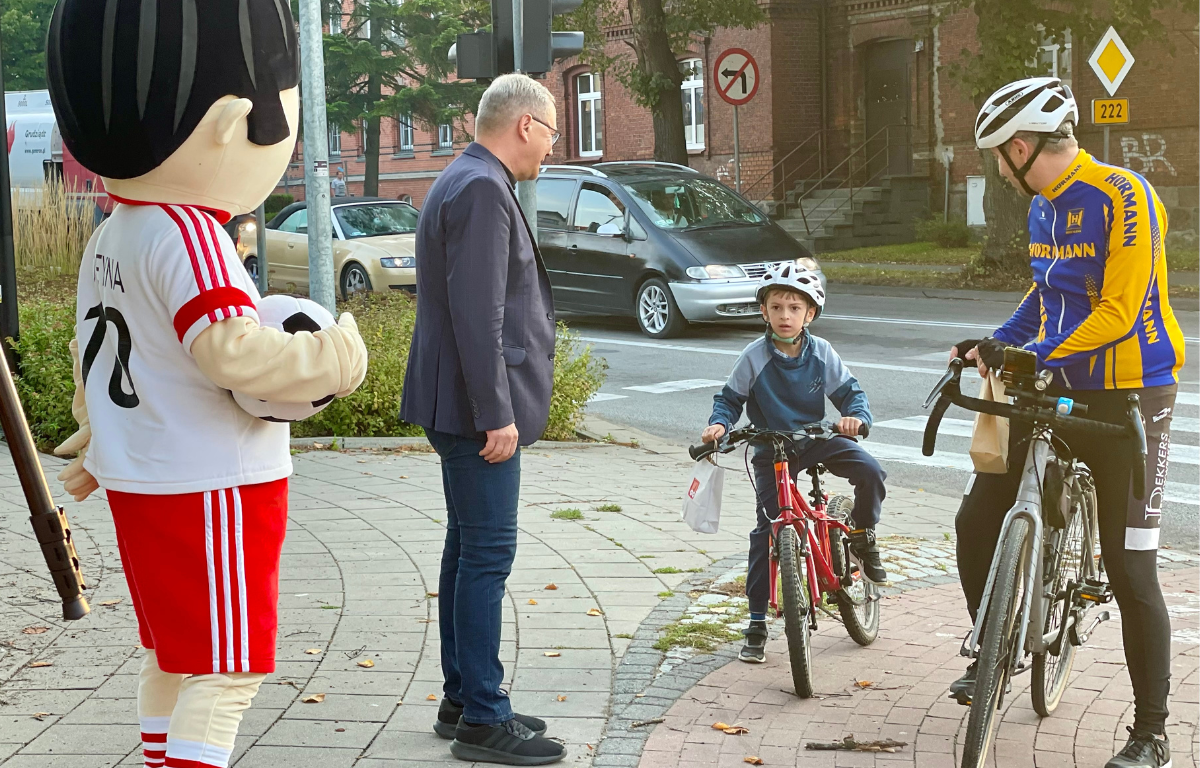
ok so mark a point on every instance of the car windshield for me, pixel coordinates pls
(376, 219)
(692, 204)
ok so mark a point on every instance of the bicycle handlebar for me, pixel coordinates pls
(818, 430)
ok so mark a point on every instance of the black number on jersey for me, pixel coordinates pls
(116, 389)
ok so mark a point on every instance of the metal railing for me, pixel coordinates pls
(818, 155)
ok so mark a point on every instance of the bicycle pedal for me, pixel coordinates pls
(1095, 591)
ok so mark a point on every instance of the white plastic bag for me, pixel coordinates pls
(702, 501)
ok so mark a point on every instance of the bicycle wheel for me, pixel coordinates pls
(1068, 557)
(793, 586)
(858, 603)
(1000, 633)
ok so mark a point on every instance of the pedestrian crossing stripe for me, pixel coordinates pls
(600, 397)
(676, 386)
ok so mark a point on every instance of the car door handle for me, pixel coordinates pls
(291, 245)
(572, 247)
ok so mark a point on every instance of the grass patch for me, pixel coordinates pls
(567, 514)
(905, 253)
(645, 557)
(665, 595)
(702, 636)
(735, 588)
(668, 569)
(694, 570)
(609, 508)
(623, 636)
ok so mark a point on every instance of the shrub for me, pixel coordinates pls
(276, 203)
(45, 384)
(948, 234)
(577, 376)
(50, 238)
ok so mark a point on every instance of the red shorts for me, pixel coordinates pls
(206, 596)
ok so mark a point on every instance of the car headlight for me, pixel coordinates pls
(808, 262)
(716, 272)
(249, 227)
(398, 262)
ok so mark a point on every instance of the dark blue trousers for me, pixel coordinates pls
(481, 543)
(844, 458)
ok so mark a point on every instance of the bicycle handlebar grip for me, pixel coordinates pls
(1139, 448)
(864, 430)
(931, 426)
(698, 452)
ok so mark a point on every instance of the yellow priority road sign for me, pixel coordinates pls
(1111, 61)
(1110, 111)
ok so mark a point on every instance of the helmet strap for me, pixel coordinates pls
(1019, 173)
(794, 340)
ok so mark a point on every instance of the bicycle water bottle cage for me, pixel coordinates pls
(1020, 368)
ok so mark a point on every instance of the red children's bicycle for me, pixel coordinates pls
(811, 561)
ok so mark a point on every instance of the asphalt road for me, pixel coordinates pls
(897, 347)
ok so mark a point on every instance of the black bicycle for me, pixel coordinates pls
(1046, 573)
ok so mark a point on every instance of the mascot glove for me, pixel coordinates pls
(356, 353)
(76, 480)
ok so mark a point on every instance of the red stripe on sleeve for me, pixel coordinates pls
(209, 303)
(191, 249)
(216, 244)
(205, 247)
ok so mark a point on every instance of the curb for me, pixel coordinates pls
(394, 443)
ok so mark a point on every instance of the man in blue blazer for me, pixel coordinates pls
(479, 378)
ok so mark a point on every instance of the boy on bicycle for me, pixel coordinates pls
(782, 379)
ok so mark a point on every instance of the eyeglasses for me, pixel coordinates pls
(554, 134)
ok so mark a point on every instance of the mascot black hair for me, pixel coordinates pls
(131, 79)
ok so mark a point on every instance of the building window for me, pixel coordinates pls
(692, 92)
(1054, 56)
(406, 133)
(591, 116)
(445, 136)
(362, 139)
(335, 140)
(335, 22)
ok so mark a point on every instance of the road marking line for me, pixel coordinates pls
(1187, 398)
(601, 397)
(682, 385)
(1184, 424)
(1181, 493)
(954, 427)
(936, 323)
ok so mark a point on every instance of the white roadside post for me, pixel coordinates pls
(316, 158)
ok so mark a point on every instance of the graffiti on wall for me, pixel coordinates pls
(1149, 151)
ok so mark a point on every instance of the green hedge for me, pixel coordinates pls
(385, 321)
(948, 234)
(276, 203)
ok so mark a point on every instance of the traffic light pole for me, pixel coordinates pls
(9, 322)
(316, 158)
(526, 190)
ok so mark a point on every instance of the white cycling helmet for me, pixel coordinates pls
(1042, 105)
(799, 279)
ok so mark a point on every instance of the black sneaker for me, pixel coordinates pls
(450, 713)
(862, 545)
(1144, 750)
(755, 649)
(962, 690)
(509, 743)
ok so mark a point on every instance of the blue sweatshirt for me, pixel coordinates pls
(785, 393)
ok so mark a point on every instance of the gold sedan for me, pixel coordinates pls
(374, 246)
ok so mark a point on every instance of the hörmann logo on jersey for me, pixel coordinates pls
(1066, 251)
(1074, 221)
(1125, 187)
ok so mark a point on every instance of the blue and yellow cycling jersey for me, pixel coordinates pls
(1097, 314)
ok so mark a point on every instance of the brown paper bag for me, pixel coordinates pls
(989, 441)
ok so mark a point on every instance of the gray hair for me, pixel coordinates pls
(507, 99)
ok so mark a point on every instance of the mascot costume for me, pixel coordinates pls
(188, 111)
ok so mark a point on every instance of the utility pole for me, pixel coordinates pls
(9, 321)
(526, 190)
(260, 234)
(316, 158)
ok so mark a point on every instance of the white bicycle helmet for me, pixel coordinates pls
(799, 279)
(1039, 105)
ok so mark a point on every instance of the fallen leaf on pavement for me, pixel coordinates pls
(595, 612)
(111, 602)
(753, 760)
(34, 630)
(41, 664)
(431, 594)
(532, 601)
(431, 697)
(736, 730)
(339, 730)
(403, 477)
(551, 586)
(863, 683)
(562, 698)
(589, 746)
(41, 715)
(313, 651)
(720, 726)
(424, 621)
(315, 698)
(366, 663)
(552, 654)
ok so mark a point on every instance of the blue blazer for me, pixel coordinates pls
(482, 353)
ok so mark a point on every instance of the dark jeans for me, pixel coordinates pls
(1128, 533)
(844, 458)
(481, 542)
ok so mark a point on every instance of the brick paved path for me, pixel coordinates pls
(909, 668)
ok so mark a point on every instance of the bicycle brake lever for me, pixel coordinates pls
(953, 372)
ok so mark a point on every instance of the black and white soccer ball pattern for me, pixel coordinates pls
(291, 314)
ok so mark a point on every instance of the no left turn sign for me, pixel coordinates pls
(736, 76)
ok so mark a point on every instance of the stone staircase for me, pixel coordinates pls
(879, 215)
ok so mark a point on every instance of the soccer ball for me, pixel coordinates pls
(290, 314)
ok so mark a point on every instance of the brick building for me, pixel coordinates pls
(846, 83)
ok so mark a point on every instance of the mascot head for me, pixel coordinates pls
(189, 102)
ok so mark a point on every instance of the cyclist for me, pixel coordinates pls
(783, 378)
(1098, 318)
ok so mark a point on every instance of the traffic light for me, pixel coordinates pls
(485, 54)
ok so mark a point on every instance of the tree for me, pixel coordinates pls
(23, 25)
(651, 73)
(389, 60)
(1010, 33)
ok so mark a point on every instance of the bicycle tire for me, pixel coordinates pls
(1051, 674)
(859, 604)
(793, 584)
(999, 635)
